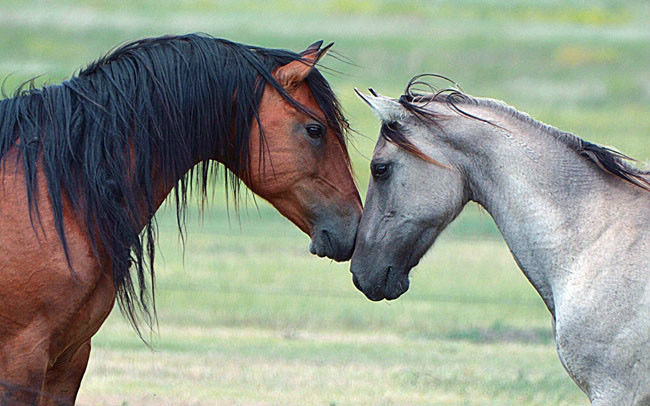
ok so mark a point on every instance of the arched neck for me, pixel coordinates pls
(549, 203)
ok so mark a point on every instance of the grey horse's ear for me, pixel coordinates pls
(385, 108)
(389, 110)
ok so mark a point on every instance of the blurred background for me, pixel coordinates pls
(246, 315)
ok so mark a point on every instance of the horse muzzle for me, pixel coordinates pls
(336, 243)
(379, 283)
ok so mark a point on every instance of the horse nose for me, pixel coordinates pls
(336, 245)
(373, 291)
(335, 234)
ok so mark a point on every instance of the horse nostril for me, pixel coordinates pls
(388, 270)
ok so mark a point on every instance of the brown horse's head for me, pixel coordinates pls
(300, 162)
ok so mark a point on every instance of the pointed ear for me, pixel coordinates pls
(312, 48)
(388, 110)
(294, 72)
(385, 108)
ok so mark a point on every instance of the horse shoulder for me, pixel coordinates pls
(42, 298)
(603, 310)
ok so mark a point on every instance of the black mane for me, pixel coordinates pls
(605, 158)
(152, 107)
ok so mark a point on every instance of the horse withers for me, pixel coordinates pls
(575, 216)
(85, 165)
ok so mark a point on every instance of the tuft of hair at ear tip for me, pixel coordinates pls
(313, 47)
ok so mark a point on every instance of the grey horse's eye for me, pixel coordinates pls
(379, 170)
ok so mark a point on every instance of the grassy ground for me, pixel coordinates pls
(239, 328)
(248, 317)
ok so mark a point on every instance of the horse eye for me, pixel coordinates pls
(379, 170)
(315, 131)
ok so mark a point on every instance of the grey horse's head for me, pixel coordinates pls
(415, 191)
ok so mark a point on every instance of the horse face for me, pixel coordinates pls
(411, 197)
(301, 165)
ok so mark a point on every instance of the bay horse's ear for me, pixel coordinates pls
(313, 48)
(294, 72)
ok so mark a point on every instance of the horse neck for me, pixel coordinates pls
(549, 203)
(167, 122)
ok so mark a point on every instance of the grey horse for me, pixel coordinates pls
(575, 216)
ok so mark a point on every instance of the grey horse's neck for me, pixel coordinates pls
(555, 208)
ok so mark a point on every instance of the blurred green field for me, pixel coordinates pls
(246, 315)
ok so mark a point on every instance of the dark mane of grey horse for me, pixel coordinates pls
(606, 159)
(155, 105)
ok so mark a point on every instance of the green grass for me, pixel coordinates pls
(248, 317)
(236, 327)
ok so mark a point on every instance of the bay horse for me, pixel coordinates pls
(574, 214)
(86, 163)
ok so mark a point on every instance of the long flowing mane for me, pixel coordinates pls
(152, 107)
(605, 158)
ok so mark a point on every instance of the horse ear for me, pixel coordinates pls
(388, 110)
(312, 48)
(385, 108)
(294, 72)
